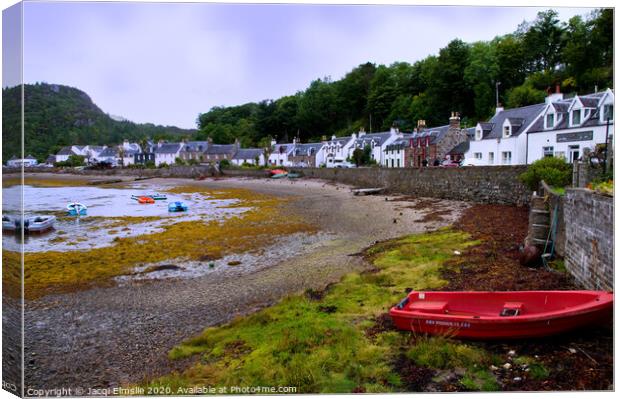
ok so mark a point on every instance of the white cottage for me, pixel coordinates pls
(167, 153)
(281, 153)
(334, 151)
(501, 141)
(377, 143)
(567, 126)
(251, 156)
(558, 127)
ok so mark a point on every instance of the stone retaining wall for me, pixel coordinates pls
(589, 257)
(484, 184)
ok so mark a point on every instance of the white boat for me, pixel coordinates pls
(75, 209)
(32, 224)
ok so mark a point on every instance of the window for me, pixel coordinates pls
(478, 155)
(576, 117)
(608, 112)
(507, 131)
(398, 163)
(392, 162)
(478, 134)
(547, 152)
(491, 158)
(506, 157)
(386, 163)
(550, 121)
(560, 154)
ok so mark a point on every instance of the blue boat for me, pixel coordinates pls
(177, 206)
(76, 209)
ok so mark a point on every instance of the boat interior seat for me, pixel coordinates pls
(511, 309)
(430, 306)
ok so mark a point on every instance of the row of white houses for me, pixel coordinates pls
(560, 127)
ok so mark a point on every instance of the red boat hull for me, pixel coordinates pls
(477, 315)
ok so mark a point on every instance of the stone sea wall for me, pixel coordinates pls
(483, 184)
(589, 247)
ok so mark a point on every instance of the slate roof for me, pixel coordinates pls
(221, 149)
(378, 138)
(109, 152)
(461, 148)
(248, 153)
(97, 148)
(526, 114)
(66, 151)
(195, 146)
(29, 156)
(284, 148)
(561, 107)
(304, 149)
(400, 143)
(168, 148)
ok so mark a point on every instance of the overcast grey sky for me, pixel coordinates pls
(166, 62)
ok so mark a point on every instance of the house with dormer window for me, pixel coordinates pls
(502, 140)
(377, 143)
(305, 155)
(334, 151)
(568, 126)
(560, 127)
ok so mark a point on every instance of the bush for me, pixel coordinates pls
(554, 171)
(163, 165)
(224, 163)
(149, 164)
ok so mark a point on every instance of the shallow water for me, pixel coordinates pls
(105, 206)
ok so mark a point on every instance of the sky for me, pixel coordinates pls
(165, 63)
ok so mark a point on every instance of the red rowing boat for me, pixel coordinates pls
(501, 315)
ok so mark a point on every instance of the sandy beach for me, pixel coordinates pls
(106, 337)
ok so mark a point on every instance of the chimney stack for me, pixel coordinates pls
(499, 108)
(421, 125)
(455, 121)
(554, 97)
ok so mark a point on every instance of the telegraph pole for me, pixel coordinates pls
(497, 93)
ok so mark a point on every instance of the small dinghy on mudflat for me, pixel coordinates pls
(177, 206)
(76, 209)
(158, 197)
(143, 199)
(32, 224)
(501, 314)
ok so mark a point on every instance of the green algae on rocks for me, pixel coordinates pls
(321, 342)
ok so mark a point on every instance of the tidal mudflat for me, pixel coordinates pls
(108, 316)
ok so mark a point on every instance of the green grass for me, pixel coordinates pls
(558, 190)
(320, 345)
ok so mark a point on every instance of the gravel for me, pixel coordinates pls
(113, 336)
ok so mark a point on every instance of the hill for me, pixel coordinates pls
(57, 115)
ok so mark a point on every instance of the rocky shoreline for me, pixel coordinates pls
(107, 337)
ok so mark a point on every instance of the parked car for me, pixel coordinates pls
(448, 163)
(472, 162)
(343, 164)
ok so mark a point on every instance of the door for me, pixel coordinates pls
(573, 153)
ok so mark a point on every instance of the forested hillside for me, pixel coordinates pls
(56, 116)
(578, 55)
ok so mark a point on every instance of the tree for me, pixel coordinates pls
(543, 42)
(481, 75)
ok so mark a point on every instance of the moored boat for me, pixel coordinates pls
(177, 206)
(279, 175)
(158, 197)
(294, 175)
(32, 224)
(76, 209)
(274, 172)
(501, 314)
(143, 199)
